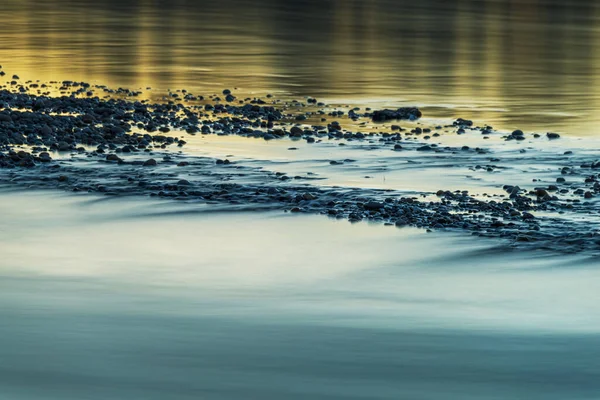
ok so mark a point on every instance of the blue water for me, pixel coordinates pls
(128, 299)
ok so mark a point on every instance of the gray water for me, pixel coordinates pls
(141, 299)
(136, 299)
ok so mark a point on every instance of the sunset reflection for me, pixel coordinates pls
(481, 59)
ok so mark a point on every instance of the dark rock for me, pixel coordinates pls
(113, 157)
(527, 216)
(373, 206)
(296, 131)
(45, 157)
(64, 146)
(308, 196)
(463, 122)
(411, 113)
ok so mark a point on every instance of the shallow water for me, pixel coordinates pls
(529, 64)
(122, 298)
(136, 299)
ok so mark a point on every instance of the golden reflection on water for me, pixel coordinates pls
(529, 64)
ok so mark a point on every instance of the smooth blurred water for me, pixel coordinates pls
(142, 299)
(531, 64)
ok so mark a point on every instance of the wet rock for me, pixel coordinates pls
(308, 196)
(524, 238)
(45, 157)
(411, 113)
(87, 118)
(64, 146)
(113, 157)
(373, 206)
(528, 216)
(463, 122)
(296, 131)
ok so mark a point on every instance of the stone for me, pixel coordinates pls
(373, 206)
(296, 131)
(113, 157)
(45, 157)
(308, 196)
(64, 146)
(411, 113)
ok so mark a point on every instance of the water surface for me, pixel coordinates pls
(137, 299)
(530, 64)
(142, 299)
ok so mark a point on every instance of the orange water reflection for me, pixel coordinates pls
(529, 64)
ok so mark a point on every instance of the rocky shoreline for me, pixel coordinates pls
(63, 135)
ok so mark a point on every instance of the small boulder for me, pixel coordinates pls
(373, 206)
(308, 196)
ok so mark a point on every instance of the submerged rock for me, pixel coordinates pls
(411, 113)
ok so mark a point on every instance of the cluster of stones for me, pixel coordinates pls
(510, 218)
(110, 128)
(65, 122)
